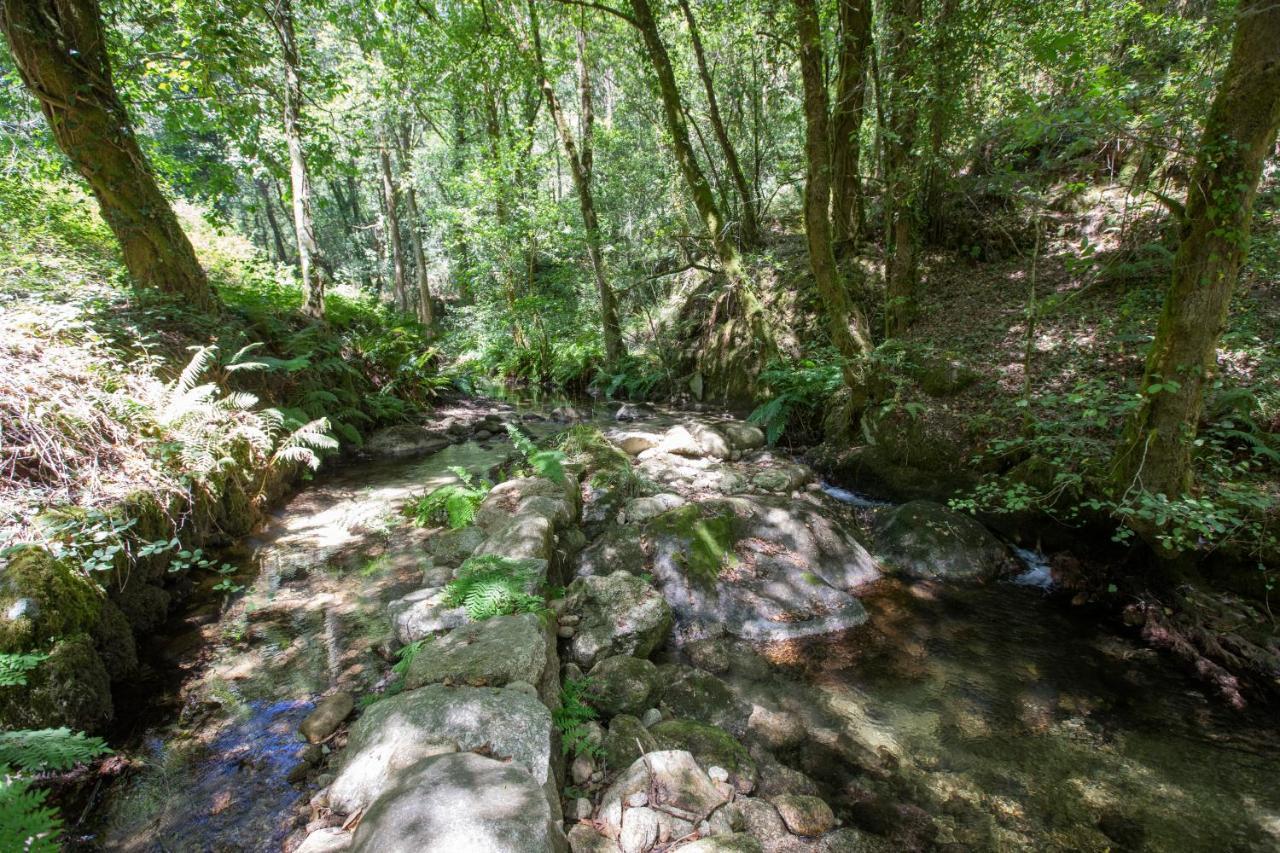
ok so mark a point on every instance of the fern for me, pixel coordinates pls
(300, 446)
(454, 504)
(26, 822)
(490, 586)
(35, 751)
(545, 463)
(572, 716)
(14, 668)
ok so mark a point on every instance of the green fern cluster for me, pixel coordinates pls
(609, 466)
(26, 821)
(490, 586)
(454, 504)
(14, 668)
(572, 716)
(545, 463)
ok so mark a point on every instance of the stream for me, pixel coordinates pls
(985, 717)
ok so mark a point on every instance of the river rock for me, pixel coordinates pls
(423, 614)
(804, 815)
(639, 831)
(462, 801)
(783, 477)
(396, 732)
(692, 694)
(329, 839)
(404, 440)
(742, 435)
(617, 549)
(451, 547)
(490, 653)
(327, 716)
(759, 568)
(713, 747)
(713, 654)
(711, 442)
(634, 412)
(738, 842)
(645, 508)
(850, 840)
(626, 740)
(926, 540)
(679, 441)
(760, 820)
(621, 614)
(583, 838)
(633, 442)
(622, 684)
(675, 782)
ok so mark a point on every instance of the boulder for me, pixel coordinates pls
(680, 441)
(404, 440)
(738, 842)
(583, 838)
(742, 435)
(850, 840)
(634, 442)
(617, 549)
(626, 740)
(327, 716)
(490, 653)
(423, 614)
(804, 815)
(783, 477)
(713, 654)
(634, 412)
(461, 801)
(672, 781)
(712, 747)
(760, 820)
(622, 684)
(329, 839)
(692, 694)
(640, 829)
(621, 614)
(926, 540)
(711, 442)
(395, 733)
(451, 547)
(759, 568)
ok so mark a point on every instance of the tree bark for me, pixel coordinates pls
(614, 348)
(1155, 452)
(59, 47)
(846, 119)
(750, 220)
(845, 321)
(393, 223)
(678, 131)
(282, 255)
(426, 308)
(901, 215)
(281, 12)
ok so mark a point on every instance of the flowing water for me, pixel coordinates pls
(989, 717)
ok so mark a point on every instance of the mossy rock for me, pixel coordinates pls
(152, 522)
(712, 746)
(622, 685)
(144, 605)
(42, 598)
(626, 740)
(69, 688)
(709, 540)
(113, 638)
(697, 695)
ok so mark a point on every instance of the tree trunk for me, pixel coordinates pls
(426, 308)
(678, 130)
(614, 348)
(393, 223)
(282, 255)
(846, 119)
(59, 47)
(902, 228)
(845, 321)
(1155, 452)
(750, 221)
(299, 181)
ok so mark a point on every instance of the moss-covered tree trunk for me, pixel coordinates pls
(389, 198)
(580, 169)
(845, 321)
(750, 220)
(901, 172)
(846, 119)
(1155, 452)
(59, 47)
(309, 265)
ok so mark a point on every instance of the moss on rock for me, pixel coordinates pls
(709, 539)
(712, 746)
(42, 598)
(70, 688)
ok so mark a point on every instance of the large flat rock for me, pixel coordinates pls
(491, 653)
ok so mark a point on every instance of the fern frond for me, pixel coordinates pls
(195, 368)
(37, 750)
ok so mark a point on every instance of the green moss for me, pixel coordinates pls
(711, 745)
(69, 688)
(58, 601)
(710, 540)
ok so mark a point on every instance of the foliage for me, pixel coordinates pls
(573, 715)
(452, 503)
(14, 668)
(490, 585)
(544, 463)
(34, 751)
(798, 394)
(608, 466)
(26, 822)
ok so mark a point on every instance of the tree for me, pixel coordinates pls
(426, 307)
(1155, 452)
(580, 169)
(60, 49)
(750, 219)
(280, 13)
(846, 118)
(390, 200)
(845, 321)
(902, 228)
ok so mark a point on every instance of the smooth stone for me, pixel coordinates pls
(639, 830)
(804, 815)
(490, 653)
(327, 716)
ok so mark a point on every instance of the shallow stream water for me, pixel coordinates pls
(990, 717)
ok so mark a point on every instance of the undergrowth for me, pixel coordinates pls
(453, 504)
(488, 586)
(572, 716)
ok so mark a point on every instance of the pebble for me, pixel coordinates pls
(581, 770)
(570, 619)
(718, 774)
(651, 717)
(582, 808)
(566, 631)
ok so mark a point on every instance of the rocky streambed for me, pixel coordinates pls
(768, 666)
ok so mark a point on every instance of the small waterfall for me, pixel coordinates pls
(855, 499)
(1037, 572)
